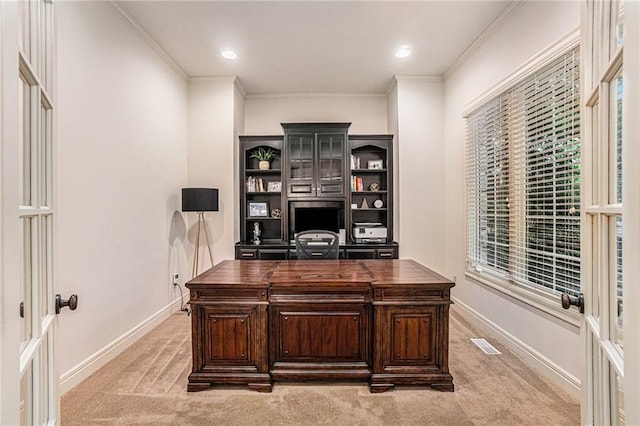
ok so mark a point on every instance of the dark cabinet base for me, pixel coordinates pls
(283, 251)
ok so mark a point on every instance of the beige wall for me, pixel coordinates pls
(420, 184)
(366, 113)
(392, 126)
(212, 161)
(122, 159)
(553, 344)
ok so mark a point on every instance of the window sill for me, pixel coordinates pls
(530, 296)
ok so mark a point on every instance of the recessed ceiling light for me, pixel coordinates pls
(229, 54)
(403, 52)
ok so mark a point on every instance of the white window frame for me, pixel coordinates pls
(529, 294)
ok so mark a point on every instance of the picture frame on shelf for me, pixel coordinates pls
(258, 209)
(274, 186)
(375, 164)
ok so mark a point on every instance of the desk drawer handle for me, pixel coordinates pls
(286, 352)
(247, 255)
(384, 254)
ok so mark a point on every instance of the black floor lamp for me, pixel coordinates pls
(200, 200)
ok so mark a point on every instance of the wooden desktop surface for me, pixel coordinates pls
(378, 273)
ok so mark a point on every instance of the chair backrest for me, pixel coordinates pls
(317, 244)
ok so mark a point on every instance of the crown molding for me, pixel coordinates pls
(419, 78)
(238, 86)
(229, 79)
(486, 34)
(144, 35)
(313, 95)
(392, 85)
(213, 79)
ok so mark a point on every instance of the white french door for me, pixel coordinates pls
(612, 217)
(27, 367)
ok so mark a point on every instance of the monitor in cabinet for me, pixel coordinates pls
(305, 216)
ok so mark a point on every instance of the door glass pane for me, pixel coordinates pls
(330, 151)
(45, 156)
(616, 323)
(27, 280)
(26, 396)
(593, 263)
(618, 15)
(595, 154)
(617, 399)
(45, 45)
(24, 22)
(616, 122)
(26, 140)
(301, 157)
(45, 272)
(596, 8)
(596, 376)
(45, 378)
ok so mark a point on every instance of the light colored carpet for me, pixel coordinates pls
(146, 385)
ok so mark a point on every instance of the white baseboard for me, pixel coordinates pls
(534, 359)
(84, 369)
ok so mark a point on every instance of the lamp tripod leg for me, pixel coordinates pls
(206, 236)
(194, 270)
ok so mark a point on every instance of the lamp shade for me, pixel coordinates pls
(199, 200)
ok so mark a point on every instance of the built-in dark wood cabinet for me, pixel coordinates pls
(315, 159)
(371, 195)
(261, 200)
(318, 166)
(285, 250)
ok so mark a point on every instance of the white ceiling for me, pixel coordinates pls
(314, 46)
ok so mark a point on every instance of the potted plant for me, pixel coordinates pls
(264, 157)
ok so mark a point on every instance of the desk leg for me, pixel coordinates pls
(260, 387)
(380, 387)
(197, 387)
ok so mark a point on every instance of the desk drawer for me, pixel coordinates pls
(246, 254)
(320, 334)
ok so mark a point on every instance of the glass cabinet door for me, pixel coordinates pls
(300, 148)
(330, 164)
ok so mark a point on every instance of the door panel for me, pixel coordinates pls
(228, 336)
(328, 334)
(412, 337)
(30, 383)
(610, 128)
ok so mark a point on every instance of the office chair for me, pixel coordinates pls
(317, 244)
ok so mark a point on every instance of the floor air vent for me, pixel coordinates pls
(486, 347)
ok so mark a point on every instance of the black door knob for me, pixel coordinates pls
(568, 301)
(71, 302)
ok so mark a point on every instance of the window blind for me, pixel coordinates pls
(523, 180)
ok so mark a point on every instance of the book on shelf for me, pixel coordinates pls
(355, 162)
(255, 184)
(356, 184)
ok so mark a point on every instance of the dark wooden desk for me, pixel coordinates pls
(381, 321)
